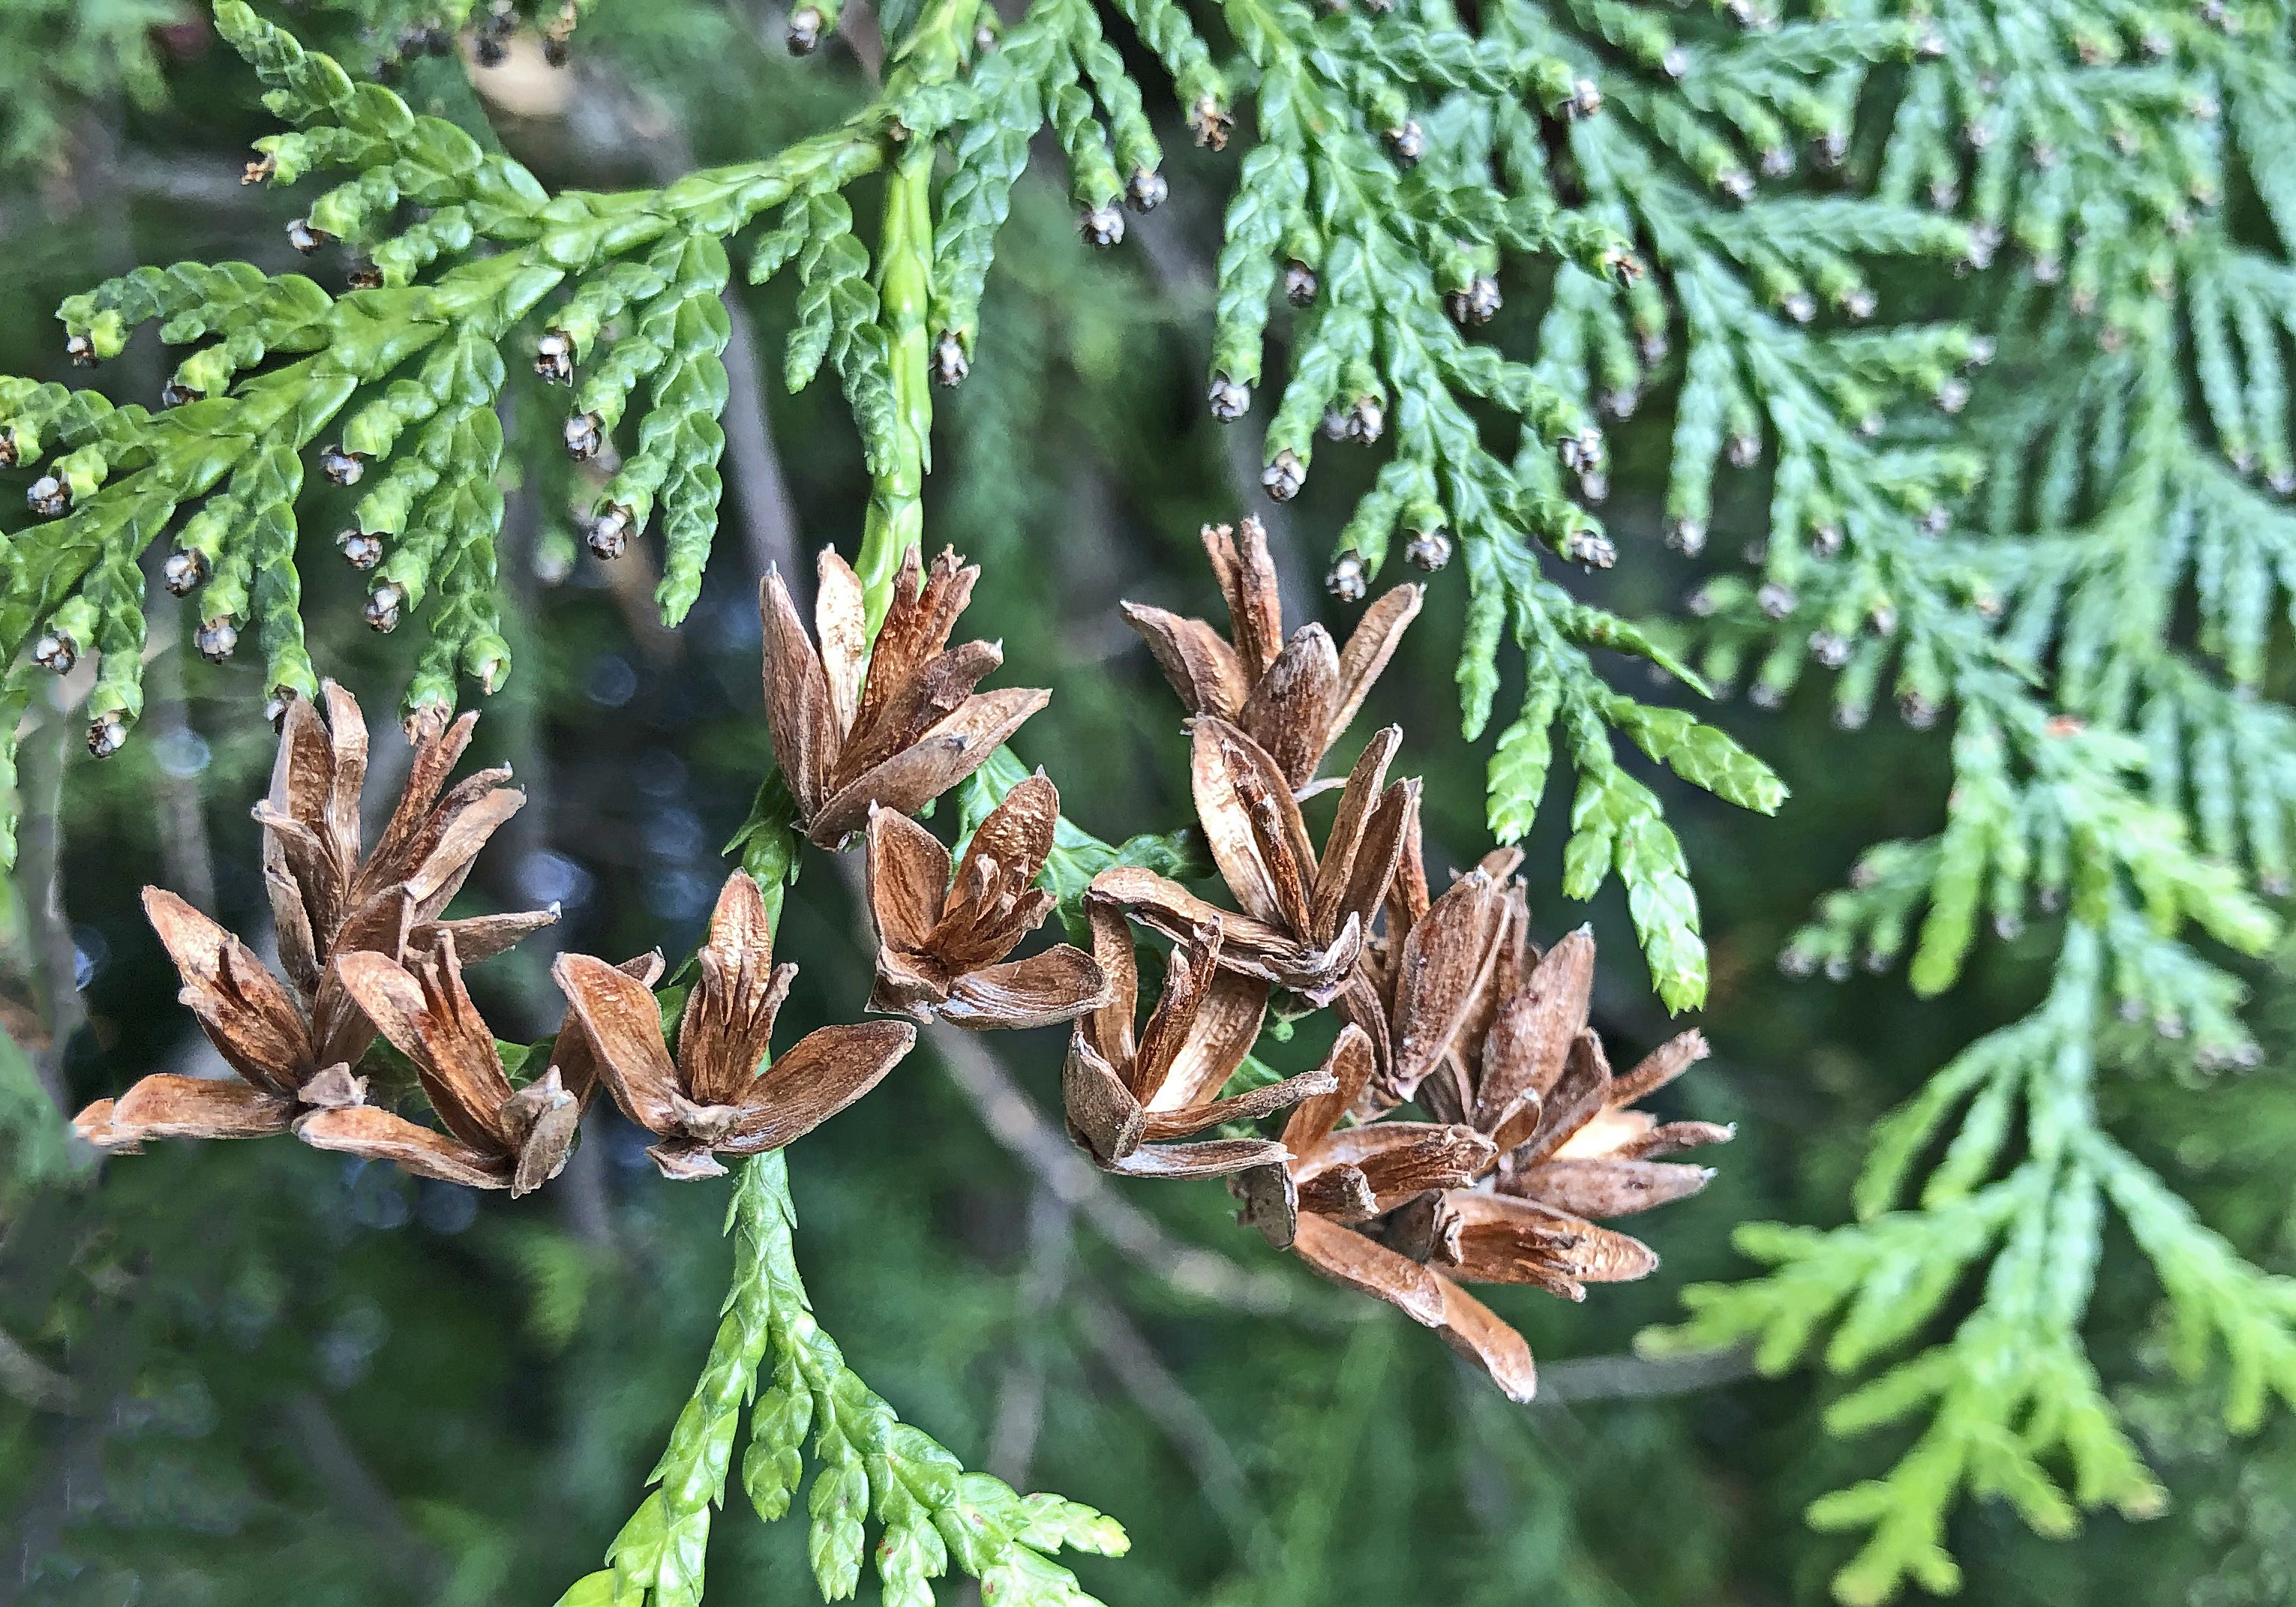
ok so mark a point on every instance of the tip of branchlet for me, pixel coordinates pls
(949, 364)
(217, 640)
(306, 239)
(610, 532)
(340, 467)
(1284, 475)
(81, 351)
(1101, 226)
(1406, 143)
(1347, 579)
(1230, 401)
(106, 734)
(1145, 190)
(805, 27)
(584, 433)
(553, 357)
(360, 550)
(48, 497)
(56, 653)
(1427, 550)
(1476, 302)
(1210, 122)
(181, 571)
(175, 393)
(381, 609)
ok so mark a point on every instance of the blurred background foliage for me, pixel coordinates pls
(255, 1372)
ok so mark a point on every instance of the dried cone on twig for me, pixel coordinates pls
(1569, 1148)
(1492, 1039)
(895, 724)
(1295, 698)
(263, 1031)
(324, 900)
(1127, 1095)
(293, 1043)
(1305, 915)
(712, 1098)
(1320, 1204)
(942, 939)
(495, 1136)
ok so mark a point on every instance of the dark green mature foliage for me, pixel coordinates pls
(1784, 244)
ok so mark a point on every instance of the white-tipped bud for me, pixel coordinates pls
(360, 549)
(1283, 476)
(585, 434)
(1427, 550)
(56, 651)
(950, 364)
(181, 571)
(610, 532)
(1101, 226)
(553, 357)
(383, 605)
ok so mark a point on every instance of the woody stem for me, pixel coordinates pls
(896, 517)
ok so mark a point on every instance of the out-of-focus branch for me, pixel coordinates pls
(1020, 1393)
(339, 1469)
(39, 872)
(28, 1379)
(1120, 1348)
(1628, 1377)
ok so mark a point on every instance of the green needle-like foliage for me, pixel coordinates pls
(873, 1467)
(2074, 556)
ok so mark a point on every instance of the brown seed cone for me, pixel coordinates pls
(1304, 914)
(1296, 698)
(1128, 1096)
(891, 726)
(942, 937)
(1535, 1139)
(712, 1098)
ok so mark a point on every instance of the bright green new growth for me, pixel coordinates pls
(871, 1465)
(2109, 761)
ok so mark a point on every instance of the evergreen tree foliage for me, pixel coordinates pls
(1966, 319)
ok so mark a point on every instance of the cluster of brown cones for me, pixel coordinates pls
(1528, 1142)
(866, 734)
(1523, 1142)
(363, 952)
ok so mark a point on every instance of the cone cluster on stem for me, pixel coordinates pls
(1464, 1127)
